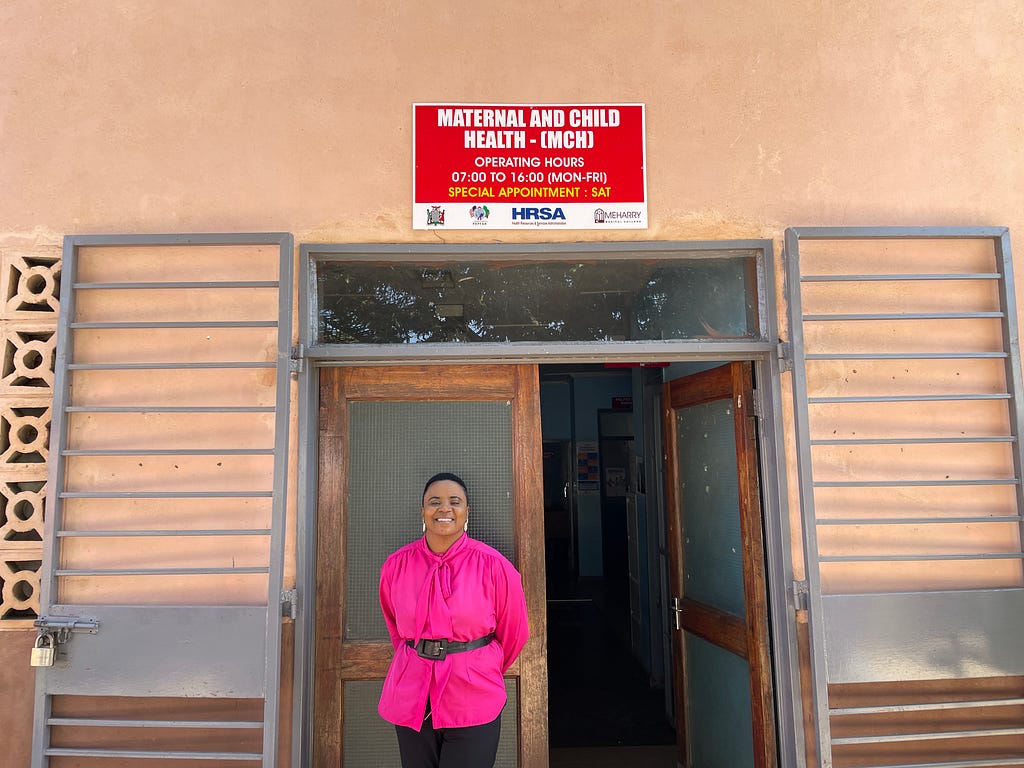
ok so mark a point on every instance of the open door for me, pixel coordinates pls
(383, 432)
(722, 670)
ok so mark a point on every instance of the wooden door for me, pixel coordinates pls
(722, 668)
(383, 432)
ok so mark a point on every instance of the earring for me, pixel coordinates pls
(465, 528)
(424, 526)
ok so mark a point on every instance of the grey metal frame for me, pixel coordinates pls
(848, 631)
(764, 353)
(510, 352)
(264, 619)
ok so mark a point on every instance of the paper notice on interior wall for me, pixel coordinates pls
(588, 468)
(615, 481)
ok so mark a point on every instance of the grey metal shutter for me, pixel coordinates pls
(907, 387)
(165, 524)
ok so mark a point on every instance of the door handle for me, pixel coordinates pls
(676, 613)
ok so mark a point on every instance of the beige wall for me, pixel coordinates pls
(192, 116)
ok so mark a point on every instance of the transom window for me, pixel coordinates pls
(663, 295)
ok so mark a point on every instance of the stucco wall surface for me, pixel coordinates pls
(296, 116)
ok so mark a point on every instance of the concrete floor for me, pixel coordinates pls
(599, 693)
(614, 757)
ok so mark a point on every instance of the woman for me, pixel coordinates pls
(455, 610)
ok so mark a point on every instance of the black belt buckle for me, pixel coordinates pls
(435, 650)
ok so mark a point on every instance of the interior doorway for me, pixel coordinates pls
(615, 692)
(605, 656)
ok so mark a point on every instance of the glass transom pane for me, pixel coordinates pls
(681, 297)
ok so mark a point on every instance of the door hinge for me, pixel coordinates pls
(676, 613)
(757, 403)
(297, 361)
(784, 351)
(801, 592)
(290, 603)
(61, 627)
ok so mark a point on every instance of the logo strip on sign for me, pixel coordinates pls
(508, 166)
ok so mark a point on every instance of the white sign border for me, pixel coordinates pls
(542, 214)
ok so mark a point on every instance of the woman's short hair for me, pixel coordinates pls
(446, 476)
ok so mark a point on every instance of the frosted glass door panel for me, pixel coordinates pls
(709, 502)
(720, 726)
(395, 447)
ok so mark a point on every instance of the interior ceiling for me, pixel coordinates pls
(556, 369)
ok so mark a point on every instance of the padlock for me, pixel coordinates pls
(43, 654)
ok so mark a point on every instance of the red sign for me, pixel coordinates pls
(512, 165)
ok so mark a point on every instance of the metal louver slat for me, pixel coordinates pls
(164, 551)
(906, 384)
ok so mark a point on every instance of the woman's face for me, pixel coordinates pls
(444, 508)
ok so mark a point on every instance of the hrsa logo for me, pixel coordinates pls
(542, 214)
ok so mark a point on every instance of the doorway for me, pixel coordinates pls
(382, 431)
(599, 620)
(611, 563)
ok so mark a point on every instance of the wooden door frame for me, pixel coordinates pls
(747, 638)
(337, 661)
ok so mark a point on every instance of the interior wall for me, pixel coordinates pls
(593, 392)
(556, 410)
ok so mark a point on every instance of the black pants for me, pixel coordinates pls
(472, 747)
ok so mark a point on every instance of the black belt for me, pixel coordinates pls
(436, 650)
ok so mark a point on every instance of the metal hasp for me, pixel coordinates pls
(55, 630)
(906, 391)
(61, 627)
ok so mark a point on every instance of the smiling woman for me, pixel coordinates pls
(445, 511)
(456, 614)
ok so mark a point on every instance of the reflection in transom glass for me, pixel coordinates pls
(684, 297)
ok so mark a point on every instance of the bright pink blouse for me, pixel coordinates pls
(464, 594)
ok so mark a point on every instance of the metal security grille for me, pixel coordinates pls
(165, 526)
(906, 385)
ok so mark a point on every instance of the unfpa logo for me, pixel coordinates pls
(538, 214)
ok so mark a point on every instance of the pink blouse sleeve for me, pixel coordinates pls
(513, 628)
(386, 606)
